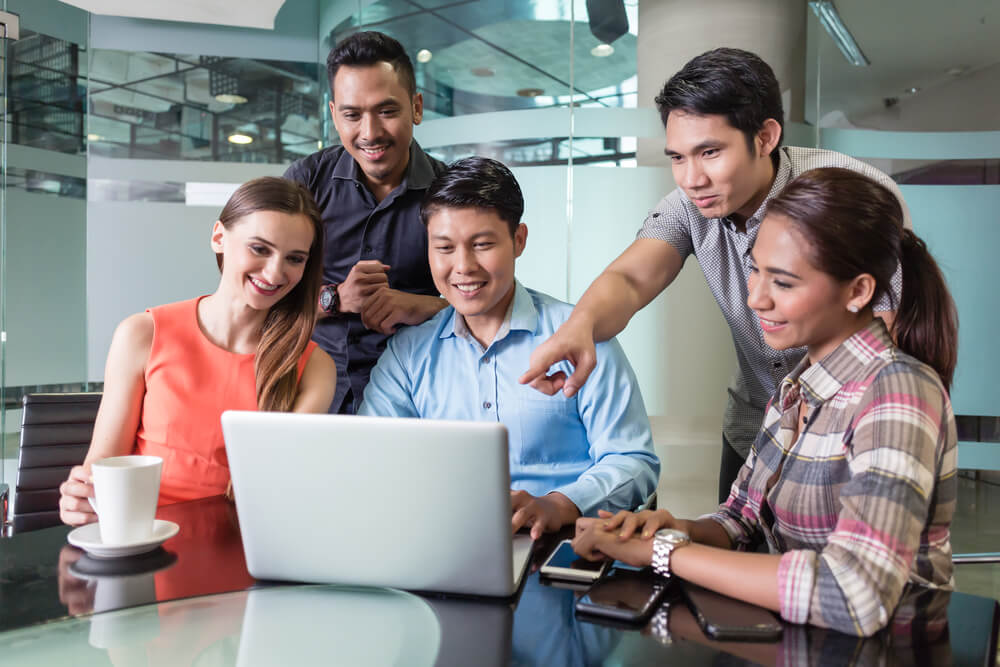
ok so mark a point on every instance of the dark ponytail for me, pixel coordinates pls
(854, 225)
(926, 324)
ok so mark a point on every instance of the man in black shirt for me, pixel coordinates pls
(369, 191)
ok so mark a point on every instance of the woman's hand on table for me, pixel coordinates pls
(594, 541)
(644, 523)
(74, 506)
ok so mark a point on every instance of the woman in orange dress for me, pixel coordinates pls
(173, 369)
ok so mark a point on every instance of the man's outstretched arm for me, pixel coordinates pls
(630, 282)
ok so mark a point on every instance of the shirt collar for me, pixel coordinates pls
(521, 316)
(782, 175)
(418, 176)
(821, 381)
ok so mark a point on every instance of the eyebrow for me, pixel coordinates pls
(389, 102)
(477, 235)
(271, 245)
(782, 272)
(697, 149)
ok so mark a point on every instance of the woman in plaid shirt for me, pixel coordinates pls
(851, 482)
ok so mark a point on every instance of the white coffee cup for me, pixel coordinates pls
(126, 489)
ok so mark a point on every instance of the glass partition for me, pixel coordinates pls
(930, 117)
(42, 280)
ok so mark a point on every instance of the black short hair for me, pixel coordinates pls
(369, 48)
(476, 182)
(728, 82)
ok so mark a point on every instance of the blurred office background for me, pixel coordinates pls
(124, 136)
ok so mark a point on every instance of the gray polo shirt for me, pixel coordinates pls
(724, 254)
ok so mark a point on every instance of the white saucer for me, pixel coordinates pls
(88, 538)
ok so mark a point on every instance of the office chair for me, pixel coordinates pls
(55, 435)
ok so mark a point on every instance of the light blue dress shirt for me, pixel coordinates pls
(595, 448)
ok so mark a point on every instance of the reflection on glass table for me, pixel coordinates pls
(193, 602)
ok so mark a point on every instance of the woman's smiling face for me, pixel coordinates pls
(798, 305)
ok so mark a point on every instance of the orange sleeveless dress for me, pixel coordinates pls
(190, 382)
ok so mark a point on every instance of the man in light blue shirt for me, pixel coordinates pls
(569, 457)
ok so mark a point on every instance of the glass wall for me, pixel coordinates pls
(476, 58)
(42, 278)
(930, 117)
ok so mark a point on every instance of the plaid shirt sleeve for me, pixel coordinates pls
(739, 516)
(902, 437)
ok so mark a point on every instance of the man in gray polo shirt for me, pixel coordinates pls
(723, 118)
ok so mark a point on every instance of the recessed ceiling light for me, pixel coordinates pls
(94, 137)
(955, 71)
(602, 50)
(230, 98)
(530, 92)
(913, 90)
(424, 56)
(482, 71)
(237, 138)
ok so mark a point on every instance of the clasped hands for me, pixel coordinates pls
(625, 536)
(366, 291)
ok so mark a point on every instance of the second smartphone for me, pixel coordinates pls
(624, 595)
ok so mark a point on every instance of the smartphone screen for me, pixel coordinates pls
(728, 619)
(565, 563)
(628, 595)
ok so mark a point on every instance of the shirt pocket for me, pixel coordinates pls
(551, 430)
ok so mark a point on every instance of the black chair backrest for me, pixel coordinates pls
(55, 435)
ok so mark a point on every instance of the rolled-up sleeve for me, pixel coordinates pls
(899, 438)
(626, 469)
(739, 516)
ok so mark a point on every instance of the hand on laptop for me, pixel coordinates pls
(544, 514)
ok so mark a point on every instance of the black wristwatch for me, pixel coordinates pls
(329, 300)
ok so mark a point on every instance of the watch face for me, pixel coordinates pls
(673, 535)
(326, 298)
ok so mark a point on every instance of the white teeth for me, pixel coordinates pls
(267, 287)
(470, 287)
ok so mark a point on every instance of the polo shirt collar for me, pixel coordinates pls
(418, 176)
(521, 316)
(821, 381)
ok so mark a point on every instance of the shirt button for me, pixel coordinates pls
(486, 360)
(368, 248)
(656, 215)
(487, 405)
(777, 364)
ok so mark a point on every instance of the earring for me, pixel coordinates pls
(851, 307)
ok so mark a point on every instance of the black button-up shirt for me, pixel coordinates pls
(357, 228)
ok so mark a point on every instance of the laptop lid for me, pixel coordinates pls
(407, 503)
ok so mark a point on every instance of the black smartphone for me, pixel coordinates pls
(624, 595)
(564, 564)
(728, 619)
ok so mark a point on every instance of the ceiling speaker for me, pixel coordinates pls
(608, 20)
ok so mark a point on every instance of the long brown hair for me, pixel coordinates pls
(288, 325)
(854, 225)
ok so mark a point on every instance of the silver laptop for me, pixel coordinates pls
(408, 503)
